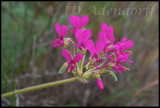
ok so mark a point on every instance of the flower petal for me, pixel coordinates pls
(77, 58)
(90, 46)
(74, 20)
(124, 39)
(119, 59)
(78, 35)
(128, 44)
(64, 31)
(83, 36)
(86, 34)
(67, 55)
(102, 36)
(96, 66)
(99, 46)
(57, 43)
(111, 34)
(58, 29)
(84, 21)
(71, 67)
(104, 27)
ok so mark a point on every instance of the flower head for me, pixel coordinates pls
(71, 61)
(107, 51)
(78, 23)
(62, 33)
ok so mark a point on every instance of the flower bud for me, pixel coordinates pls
(63, 68)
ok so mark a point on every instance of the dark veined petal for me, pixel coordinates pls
(67, 55)
(78, 35)
(77, 58)
(104, 27)
(74, 20)
(128, 44)
(102, 36)
(86, 34)
(124, 39)
(99, 46)
(90, 46)
(84, 21)
(112, 34)
(57, 43)
(64, 31)
(58, 29)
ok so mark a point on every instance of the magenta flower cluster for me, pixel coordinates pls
(106, 52)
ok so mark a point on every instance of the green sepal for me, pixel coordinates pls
(111, 73)
(63, 68)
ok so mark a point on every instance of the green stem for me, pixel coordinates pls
(81, 65)
(88, 62)
(38, 87)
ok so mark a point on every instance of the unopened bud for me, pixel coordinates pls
(63, 68)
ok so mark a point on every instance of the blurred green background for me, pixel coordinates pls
(28, 58)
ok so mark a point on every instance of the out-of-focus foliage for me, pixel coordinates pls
(28, 58)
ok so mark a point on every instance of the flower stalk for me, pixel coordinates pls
(38, 87)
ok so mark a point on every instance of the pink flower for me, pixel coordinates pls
(95, 50)
(121, 58)
(121, 46)
(109, 33)
(82, 37)
(62, 33)
(78, 23)
(71, 61)
(99, 83)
